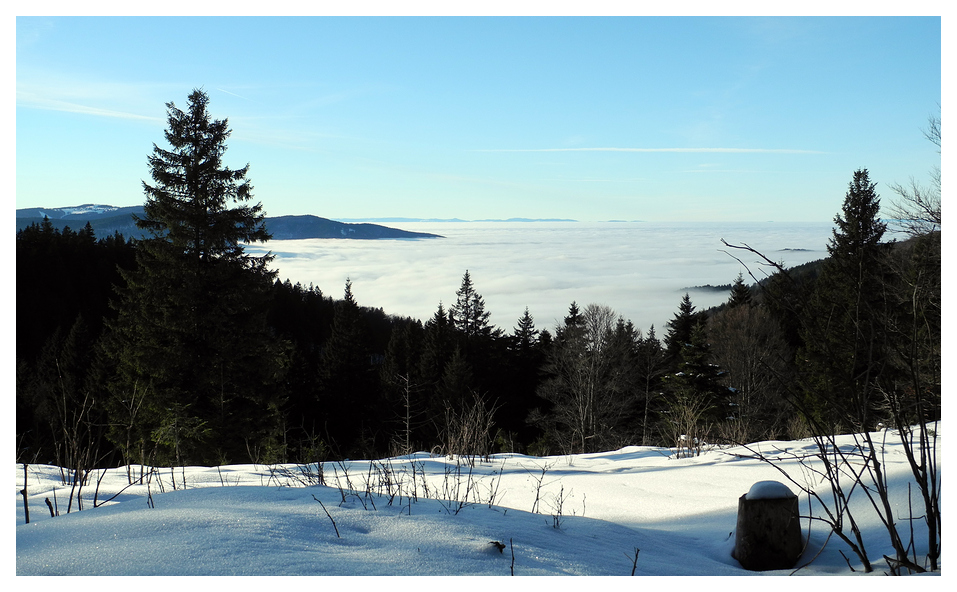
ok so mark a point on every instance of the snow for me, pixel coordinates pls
(769, 490)
(426, 515)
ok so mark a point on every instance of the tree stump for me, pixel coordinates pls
(768, 533)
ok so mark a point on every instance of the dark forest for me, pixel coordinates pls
(180, 348)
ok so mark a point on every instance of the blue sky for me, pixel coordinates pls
(631, 118)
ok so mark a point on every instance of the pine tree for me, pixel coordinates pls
(680, 328)
(525, 333)
(845, 344)
(519, 374)
(854, 244)
(345, 374)
(740, 293)
(651, 362)
(191, 328)
(697, 398)
(343, 354)
(468, 314)
(457, 382)
(437, 347)
(573, 318)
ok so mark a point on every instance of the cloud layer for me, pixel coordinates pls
(638, 269)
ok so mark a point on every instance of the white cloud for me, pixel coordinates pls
(638, 269)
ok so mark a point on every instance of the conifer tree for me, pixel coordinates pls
(651, 363)
(403, 352)
(457, 381)
(345, 374)
(343, 355)
(573, 318)
(697, 398)
(520, 376)
(845, 348)
(468, 314)
(680, 328)
(437, 346)
(191, 327)
(740, 293)
(525, 333)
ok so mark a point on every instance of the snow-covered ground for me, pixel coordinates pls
(636, 510)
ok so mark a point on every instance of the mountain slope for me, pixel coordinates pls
(107, 220)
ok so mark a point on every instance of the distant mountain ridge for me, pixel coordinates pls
(401, 220)
(81, 212)
(106, 220)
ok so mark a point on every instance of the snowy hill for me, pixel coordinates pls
(638, 509)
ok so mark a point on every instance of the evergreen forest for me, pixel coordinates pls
(180, 348)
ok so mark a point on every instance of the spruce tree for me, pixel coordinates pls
(697, 398)
(345, 375)
(651, 363)
(191, 330)
(457, 382)
(525, 333)
(680, 328)
(845, 343)
(740, 293)
(468, 314)
(519, 374)
(437, 346)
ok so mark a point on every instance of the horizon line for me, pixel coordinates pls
(690, 150)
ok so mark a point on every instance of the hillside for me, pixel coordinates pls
(106, 220)
(638, 510)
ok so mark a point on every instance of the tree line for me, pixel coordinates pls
(181, 348)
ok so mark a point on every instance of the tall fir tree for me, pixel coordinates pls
(191, 330)
(845, 347)
(520, 373)
(437, 347)
(468, 314)
(346, 377)
(697, 399)
(740, 293)
(525, 334)
(680, 329)
(651, 363)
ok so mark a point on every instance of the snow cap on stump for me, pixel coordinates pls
(769, 490)
(768, 533)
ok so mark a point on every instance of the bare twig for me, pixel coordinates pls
(634, 564)
(512, 547)
(329, 515)
(23, 492)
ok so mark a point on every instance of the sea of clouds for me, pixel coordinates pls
(639, 269)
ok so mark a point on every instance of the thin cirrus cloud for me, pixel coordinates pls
(223, 90)
(691, 150)
(34, 102)
(113, 100)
